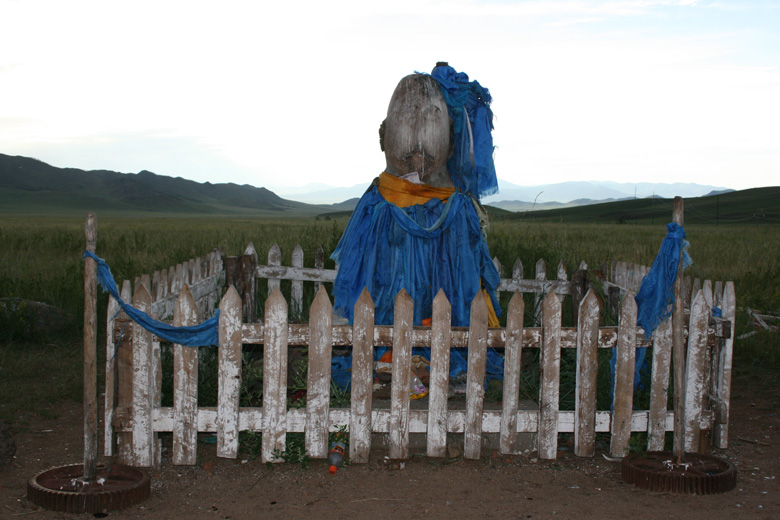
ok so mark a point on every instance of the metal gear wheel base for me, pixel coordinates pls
(699, 474)
(64, 489)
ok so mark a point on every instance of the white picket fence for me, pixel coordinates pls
(134, 416)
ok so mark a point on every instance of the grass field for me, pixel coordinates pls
(40, 260)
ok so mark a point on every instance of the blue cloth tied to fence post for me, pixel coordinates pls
(204, 334)
(655, 298)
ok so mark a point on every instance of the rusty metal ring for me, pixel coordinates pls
(63, 489)
(699, 474)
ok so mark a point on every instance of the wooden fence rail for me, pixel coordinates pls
(137, 416)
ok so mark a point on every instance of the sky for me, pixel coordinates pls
(285, 94)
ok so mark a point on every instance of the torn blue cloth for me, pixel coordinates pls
(204, 334)
(655, 298)
(471, 164)
(421, 248)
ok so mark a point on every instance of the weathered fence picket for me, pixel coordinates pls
(695, 381)
(362, 378)
(587, 374)
(318, 380)
(401, 382)
(438, 386)
(185, 385)
(624, 378)
(275, 377)
(229, 380)
(550, 369)
(659, 386)
(475, 377)
(513, 351)
(143, 385)
(724, 359)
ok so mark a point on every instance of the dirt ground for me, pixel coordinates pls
(494, 487)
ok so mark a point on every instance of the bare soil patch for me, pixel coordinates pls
(494, 487)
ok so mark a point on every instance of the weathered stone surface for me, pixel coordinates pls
(26, 319)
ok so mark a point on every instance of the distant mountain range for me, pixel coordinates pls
(513, 197)
(30, 186)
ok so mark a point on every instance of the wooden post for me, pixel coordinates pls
(319, 263)
(541, 274)
(550, 371)
(248, 290)
(580, 279)
(274, 258)
(90, 352)
(678, 347)
(296, 286)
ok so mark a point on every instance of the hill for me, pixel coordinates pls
(752, 206)
(30, 186)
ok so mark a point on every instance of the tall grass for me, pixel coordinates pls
(41, 260)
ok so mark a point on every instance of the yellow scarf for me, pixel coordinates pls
(403, 193)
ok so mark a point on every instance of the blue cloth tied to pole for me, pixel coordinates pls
(655, 298)
(204, 334)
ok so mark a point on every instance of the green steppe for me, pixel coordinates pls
(41, 260)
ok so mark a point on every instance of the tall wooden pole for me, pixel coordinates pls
(90, 350)
(678, 346)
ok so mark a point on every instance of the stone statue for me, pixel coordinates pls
(417, 134)
(419, 225)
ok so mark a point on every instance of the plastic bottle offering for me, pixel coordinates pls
(336, 457)
(418, 389)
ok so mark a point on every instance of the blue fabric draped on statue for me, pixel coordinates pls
(204, 334)
(471, 163)
(422, 248)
